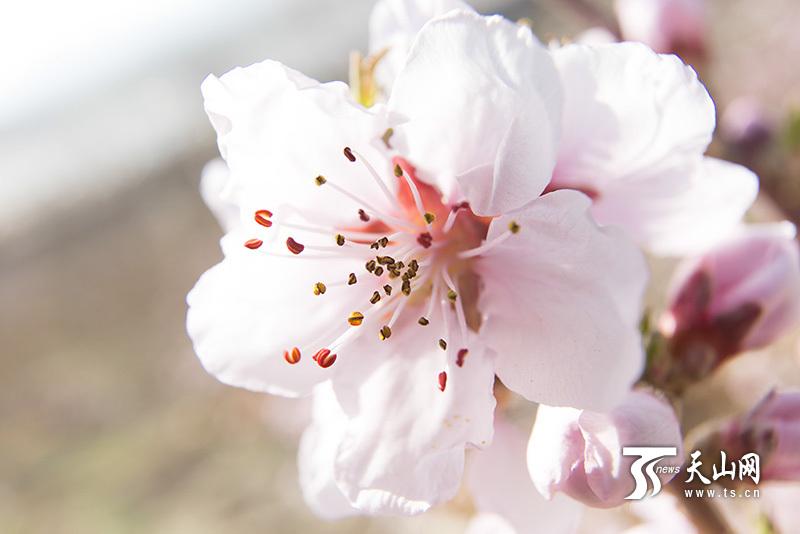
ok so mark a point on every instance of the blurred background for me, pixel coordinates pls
(107, 421)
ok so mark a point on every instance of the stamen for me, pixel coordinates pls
(425, 239)
(415, 194)
(340, 240)
(388, 289)
(324, 358)
(423, 321)
(356, 318)
(442, 344)
(453, 215)
(513, 228)
(363, 215)
(375, 298)
(370, 265)
(319, 288)
(429, 217)
(442, 380)
(351, 280)
(451, 295)
(293, 246)
(397, 312)
(262, 217)
(320, 180)
(462, 353)
(349, 154)
(385, 333)
(253, 244)
(378, 271)
(392, 198)
(292, 357)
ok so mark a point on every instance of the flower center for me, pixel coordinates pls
(417, 255)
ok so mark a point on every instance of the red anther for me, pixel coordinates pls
(292, 357)
(253, 244)
(324, 358)
(462, 353)
(349, 154)
(460, 206)
(294, 247)
(262, 217)
(442, 380)
(363, 215)
(320, 352)
(425, 239)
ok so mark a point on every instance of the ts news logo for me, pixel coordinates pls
(647, 463)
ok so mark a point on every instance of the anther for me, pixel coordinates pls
(375, 245)
(319, 288)
(442, 344)
(425, 239)
(385, 260)
(429, 217)
(294, 247)
(451, 295)
(339, 239)
(385, 333)
(351, 280)
(384, 241)
(388, 289)
(349, 154)
(423, 321)
(253, 244)
(262, 217)
(378, 271)
(375, 298)
(387, 137)
(460, 206)
(462, 353)
(363, 215)
(398, 171)
(356, 318)
(292, 356)
(370, 265)
(406, 288)
(320, 180)
(442, 380)
(513, 227)
(324, 358)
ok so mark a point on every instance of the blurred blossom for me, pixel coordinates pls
(661, 515)
(666, 26)
(745, 125)
(384, 262)
(772, 430)
(635, 127)
(580, 452)
(505, 498)
(742, 295)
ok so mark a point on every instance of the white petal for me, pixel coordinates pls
(316, 456)
(403, 447)
(483, 103)
(562, 301)
(499, 482)
(213, 188)
(682, 211)
(250, 308)
(278, 130)
(627, 111)
(394, 24)
(489, 524)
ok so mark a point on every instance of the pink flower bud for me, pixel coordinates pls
(666, 26)
(772, 430)
(740, 296)
(745, 125)
(580, 452)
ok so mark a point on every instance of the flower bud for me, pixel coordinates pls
(771, 430)
(580, 452)
(740, 296)
(745, 126)
(666, 26)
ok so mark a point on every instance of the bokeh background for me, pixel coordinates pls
(107, 421)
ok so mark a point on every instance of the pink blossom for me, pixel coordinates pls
(666, 26)
(635, 127)
(394, 260)
(579, 453)
(739, 296)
